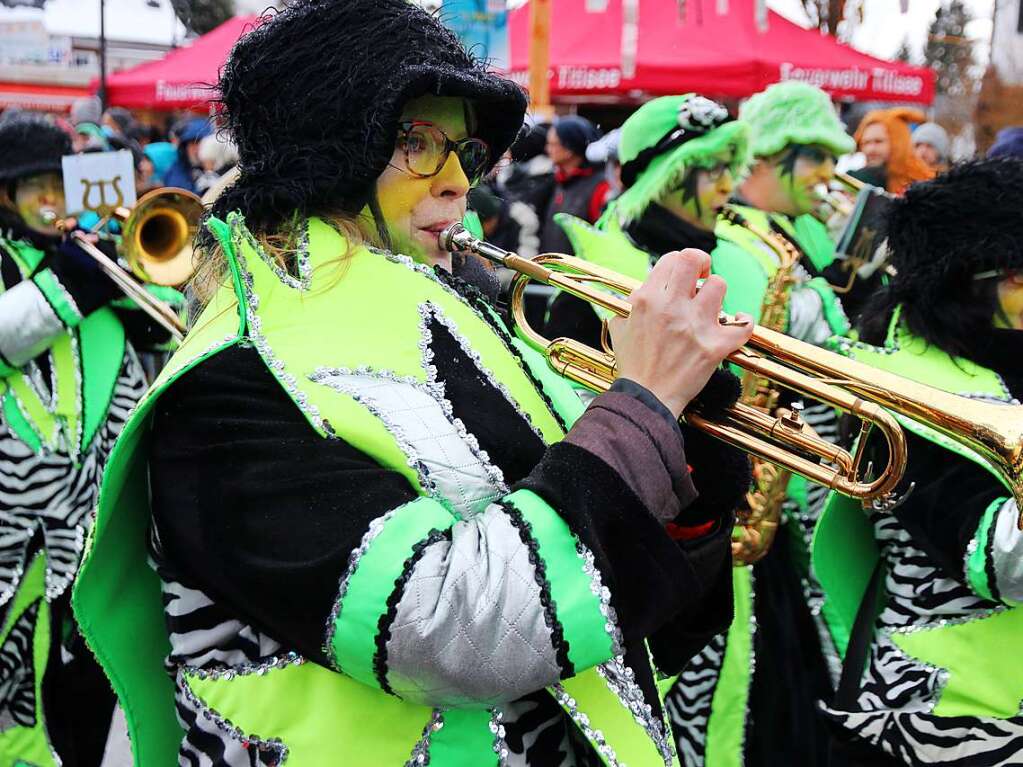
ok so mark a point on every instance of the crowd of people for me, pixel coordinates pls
(354, 518)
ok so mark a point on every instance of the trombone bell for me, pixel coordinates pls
(158, 233)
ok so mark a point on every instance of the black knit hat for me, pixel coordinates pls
(965, 222)
(313, 97)
(30, 144)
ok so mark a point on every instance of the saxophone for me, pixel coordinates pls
(759, 518)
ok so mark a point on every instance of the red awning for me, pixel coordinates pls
(42, 98)
(184, 78)
(717, 55)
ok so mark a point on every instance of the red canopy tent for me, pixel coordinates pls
(723, 55)
(182, 79)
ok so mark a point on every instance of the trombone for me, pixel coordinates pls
(993, 431)
(156, 243)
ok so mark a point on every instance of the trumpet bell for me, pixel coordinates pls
(158, 234)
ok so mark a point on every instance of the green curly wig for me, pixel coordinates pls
(793, 113)
(645, 129)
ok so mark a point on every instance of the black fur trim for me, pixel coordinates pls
(550, 613)
(989, 562)
(966, 221)
(313, 95)
(30, 144)
(384, 624)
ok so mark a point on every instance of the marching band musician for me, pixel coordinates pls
(935, 681)
(69, 376)
(681, 156)
(382, 530)
(750, 697)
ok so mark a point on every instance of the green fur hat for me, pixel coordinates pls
(793, 113)
(665, 138)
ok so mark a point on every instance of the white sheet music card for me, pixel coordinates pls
(99, 181)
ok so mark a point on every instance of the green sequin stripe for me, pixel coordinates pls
(587, 632)
(58, 298)
(833, 313)
(378, 564)
(465, 740)
(977, 572)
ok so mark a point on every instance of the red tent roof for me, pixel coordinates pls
(181, 79)
(718, 55)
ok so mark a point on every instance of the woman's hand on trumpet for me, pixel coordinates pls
(673, 340)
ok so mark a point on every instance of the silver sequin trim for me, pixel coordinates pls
(353, 562)
(596, 737)
(428, 272)
(421, 751)
(17, 574)
(66, 295)
(478, 361)
(603, 594)
(621, 680)
(305, 275)
(255, 332)
(273, 745)
(974, 616)
(262, 668)
(497, 729)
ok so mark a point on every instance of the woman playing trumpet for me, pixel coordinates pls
(383, 531)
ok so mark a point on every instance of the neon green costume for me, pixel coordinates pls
(935, 675)
(348, 717)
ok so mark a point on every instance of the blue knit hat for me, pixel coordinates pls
(1008, 143)
(575, 133)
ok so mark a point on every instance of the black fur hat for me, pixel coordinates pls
(30, 144)
(965, 222)
(314, 94)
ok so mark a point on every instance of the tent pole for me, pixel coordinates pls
(102, 55)
(540, 58)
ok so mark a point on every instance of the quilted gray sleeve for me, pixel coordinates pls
(28, 324)
(470, 627)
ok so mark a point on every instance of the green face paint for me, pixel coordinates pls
(701, 196)
(39, 201)
(799, 170)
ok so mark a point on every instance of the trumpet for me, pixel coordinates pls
(994, 432)
(156, 243)
(838, 197)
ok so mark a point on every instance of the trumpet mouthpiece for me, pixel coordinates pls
(446, 239)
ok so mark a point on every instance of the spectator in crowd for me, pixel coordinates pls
(1008, 142)
(580, 188)
(86, 115)
(163, 154)
(186, 168)
(605, 151)
(511, 225)
(931, 144)
(118, 121)
(886, 142)
(527, 174)
(217, 156)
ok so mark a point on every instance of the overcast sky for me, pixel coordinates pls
(884, 27)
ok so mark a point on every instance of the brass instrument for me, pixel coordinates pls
(758, 520)
(156, 243)
(841, 200)
(993, 431)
